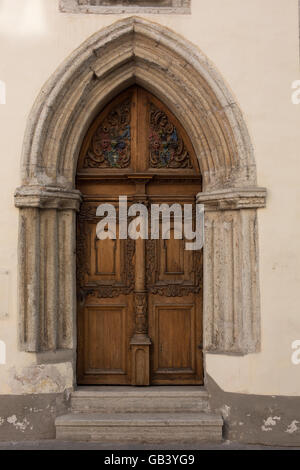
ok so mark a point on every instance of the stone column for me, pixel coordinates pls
(231, 281)
(29, 273)
(47, 267)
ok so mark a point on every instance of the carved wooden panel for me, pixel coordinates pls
(173, 259)
(105, 268)
(166, 146)
(139, 302)
(105, 257)
(173, 271)
(137, 132)
(110, 143)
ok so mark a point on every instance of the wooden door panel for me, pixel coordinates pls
(104, 258)
(174, 348)
(175, 311)
(105, 331)
(104, 341)
(102, 263)
(176, 332)
(171, 268)
(139, 309)
(175, 263)
(105, 282)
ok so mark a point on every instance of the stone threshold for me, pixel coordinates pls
(170, 390)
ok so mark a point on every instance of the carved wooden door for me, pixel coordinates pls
(139, 301)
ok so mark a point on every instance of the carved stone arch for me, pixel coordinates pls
(137, 51)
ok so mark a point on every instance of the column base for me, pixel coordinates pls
(140, 360)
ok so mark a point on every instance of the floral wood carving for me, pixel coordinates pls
(167, 148)
(141, 312)
(110, 144)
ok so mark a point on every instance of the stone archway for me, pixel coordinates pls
(137, 51)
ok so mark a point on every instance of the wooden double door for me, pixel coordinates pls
(139, 301)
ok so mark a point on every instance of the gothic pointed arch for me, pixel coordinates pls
(136, 51)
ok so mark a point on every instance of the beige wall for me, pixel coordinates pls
(254, 44)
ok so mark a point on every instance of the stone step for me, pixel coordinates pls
(106, 399)
(140, 427)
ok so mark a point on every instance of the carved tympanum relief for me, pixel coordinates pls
(166, 147)
(111, 140)
(110, 144)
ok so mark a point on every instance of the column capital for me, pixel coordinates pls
(233, 199)
(47, 197)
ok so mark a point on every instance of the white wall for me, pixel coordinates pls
(254, 44)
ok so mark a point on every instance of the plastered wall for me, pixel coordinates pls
(255, 46)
